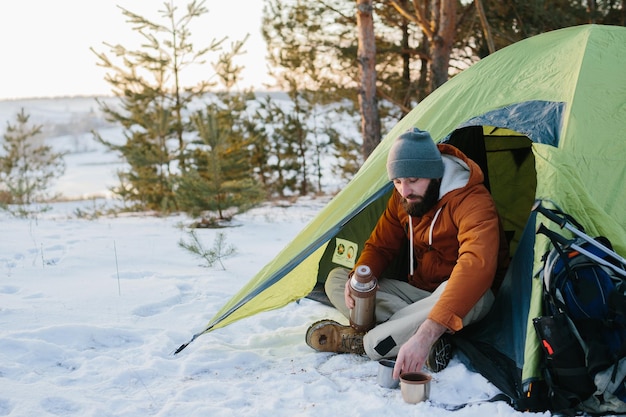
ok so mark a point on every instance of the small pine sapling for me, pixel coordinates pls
(218, 252)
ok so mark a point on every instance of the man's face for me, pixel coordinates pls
(418, 194)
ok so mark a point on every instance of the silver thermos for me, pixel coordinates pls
(363, 286)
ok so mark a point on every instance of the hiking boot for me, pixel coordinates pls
(330, 336)
(440, 354)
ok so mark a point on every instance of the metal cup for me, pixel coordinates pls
(385, 374)
(415, 387)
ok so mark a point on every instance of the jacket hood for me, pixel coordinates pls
(459, 171)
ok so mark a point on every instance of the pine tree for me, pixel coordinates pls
(28, 166)
(153, 107)
(220, 176)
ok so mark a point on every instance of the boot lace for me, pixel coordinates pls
(352, 343)
(440, 355)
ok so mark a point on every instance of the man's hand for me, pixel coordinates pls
(347, 297)
(413, 354)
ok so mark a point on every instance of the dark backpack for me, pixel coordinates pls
(583, 329)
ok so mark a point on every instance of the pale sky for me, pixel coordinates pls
(44, 44)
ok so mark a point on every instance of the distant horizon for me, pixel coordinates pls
(87, 96)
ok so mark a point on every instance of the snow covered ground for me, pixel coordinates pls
(91, 312)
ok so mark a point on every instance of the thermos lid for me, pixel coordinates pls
(363, 274)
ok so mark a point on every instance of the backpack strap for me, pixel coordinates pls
(557, 239)
(617, 299)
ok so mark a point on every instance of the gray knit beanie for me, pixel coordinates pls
(414, 155)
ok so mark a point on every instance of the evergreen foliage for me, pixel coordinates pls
(174, 153)
(219, 251)
(27, 167)
(220, 174)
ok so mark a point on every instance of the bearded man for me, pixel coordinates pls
(457, 259)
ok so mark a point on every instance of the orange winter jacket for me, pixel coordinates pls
(460, 240)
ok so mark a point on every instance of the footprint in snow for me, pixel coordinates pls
(60, 406)
(5, 407)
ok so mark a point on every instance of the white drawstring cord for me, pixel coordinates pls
(432, 226)
(411, 266)
(430, 238)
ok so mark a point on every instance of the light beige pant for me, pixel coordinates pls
(400, 309)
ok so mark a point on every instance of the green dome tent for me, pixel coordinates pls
(545, 118)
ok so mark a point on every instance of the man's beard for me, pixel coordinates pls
(431, 196)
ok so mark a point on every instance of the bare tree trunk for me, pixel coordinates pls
(483, 21)
(366, 56)
(437, 20)
(591, 11)
(442, 40)
(423, 84)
